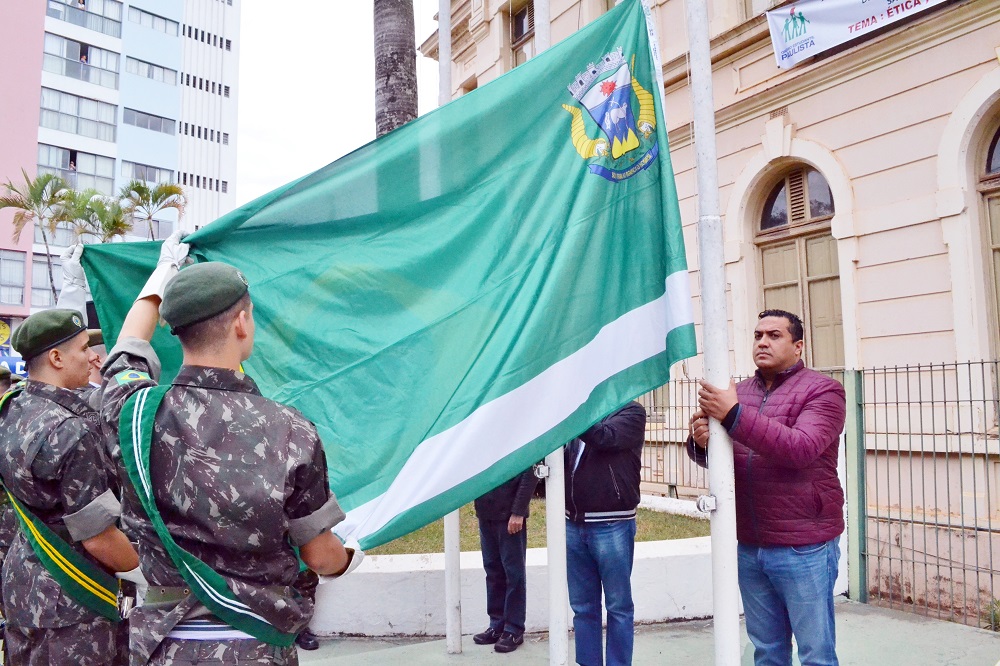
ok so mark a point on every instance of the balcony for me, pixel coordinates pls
(80, 70)
(84, 19)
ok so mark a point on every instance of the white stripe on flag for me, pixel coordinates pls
(503, 425)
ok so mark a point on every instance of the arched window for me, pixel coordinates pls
(989, 187)
(799, 264)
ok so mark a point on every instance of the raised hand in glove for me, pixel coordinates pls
(74, 293)
(173, 255)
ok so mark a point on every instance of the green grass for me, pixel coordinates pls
(651, 526)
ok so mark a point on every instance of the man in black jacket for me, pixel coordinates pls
(503, 536)
(602, 491)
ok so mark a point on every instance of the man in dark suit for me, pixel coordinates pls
(503, 536)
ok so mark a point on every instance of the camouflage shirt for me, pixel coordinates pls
(52, 459)
(238, 479)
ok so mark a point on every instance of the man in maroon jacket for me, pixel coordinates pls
(785, 423)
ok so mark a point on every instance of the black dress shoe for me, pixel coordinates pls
(508, 642)
(488, 637)
(307, 640)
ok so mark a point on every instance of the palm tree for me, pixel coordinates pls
(142, 202)
(395, 65)
(93, 214)
(42, 200)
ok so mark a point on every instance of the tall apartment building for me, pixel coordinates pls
(103, 91)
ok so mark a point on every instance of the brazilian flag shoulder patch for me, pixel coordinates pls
(129, 376)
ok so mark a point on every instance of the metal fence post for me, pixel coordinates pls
(857, 507)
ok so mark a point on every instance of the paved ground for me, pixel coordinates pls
(866, 635)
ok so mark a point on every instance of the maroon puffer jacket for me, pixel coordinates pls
(785, 443)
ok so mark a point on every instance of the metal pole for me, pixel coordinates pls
(555, 492)
(555, 535)
(453, 583)
(452, 530)
(444, 52)
(725, 583)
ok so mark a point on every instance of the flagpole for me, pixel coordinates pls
(452, 528)
(725, 583)
(555, 491)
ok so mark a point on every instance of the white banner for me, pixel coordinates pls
(807, 28)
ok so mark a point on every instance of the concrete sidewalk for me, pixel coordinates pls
(866, 635)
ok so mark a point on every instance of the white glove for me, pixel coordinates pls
(74, 293)
(72, 270)
(173, 254)
(355, 557)
(141, 586)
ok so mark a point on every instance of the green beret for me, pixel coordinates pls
(45, 330)
(201, 291)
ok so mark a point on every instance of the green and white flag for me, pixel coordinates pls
(459, 298)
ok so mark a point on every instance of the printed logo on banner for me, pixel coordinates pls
(610, 93)
(796, 28)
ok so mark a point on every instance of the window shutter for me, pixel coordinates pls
(797, 211)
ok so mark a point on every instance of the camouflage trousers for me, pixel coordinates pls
(85, 644)
(238, 652)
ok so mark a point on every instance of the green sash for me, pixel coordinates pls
(211, 589)
(83, 581)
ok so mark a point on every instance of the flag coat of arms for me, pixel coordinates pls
(452, 302)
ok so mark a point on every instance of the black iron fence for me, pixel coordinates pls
(931, 473)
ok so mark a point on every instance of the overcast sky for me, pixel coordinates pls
(307, 90)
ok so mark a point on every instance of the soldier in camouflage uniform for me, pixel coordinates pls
(52, 460)
(238, 479)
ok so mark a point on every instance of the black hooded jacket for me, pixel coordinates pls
(604, 484)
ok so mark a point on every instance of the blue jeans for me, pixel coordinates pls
(506, 589)
(599, 555)
(789, 590)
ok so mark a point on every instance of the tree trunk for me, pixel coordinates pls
(48, 261)
(395, 65)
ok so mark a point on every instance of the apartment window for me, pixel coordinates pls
(225, 186)
(197, 181)
(229, 45)
(225, 138)
(799, 262)
(149, 121)
(100, 15)
(77, 115)
(211, 135)
(150, 71)
(213, 87)
(79, 169)
(225, 91)
(152, 21)
(150, 174)
(11, 277)
(184, 178)
(41, 288)
(151, 229)
(80, 61)
(199, 131)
